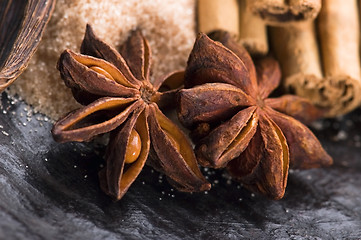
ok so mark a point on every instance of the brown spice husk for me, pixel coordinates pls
(281, 12)
(119, 98)
(252, 31)
(255, 137)
(338, 27)
(218, 14)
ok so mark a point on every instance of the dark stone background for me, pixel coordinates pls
(51, 191)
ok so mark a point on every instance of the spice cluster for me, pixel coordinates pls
(222, 97)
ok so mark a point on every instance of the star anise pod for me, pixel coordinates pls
(239, 127)
(120, 99)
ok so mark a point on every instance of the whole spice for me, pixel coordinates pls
(238, 125)
(339, 35)
(327, 72)
(281, 12)
(21, 26)
(252, 31)
(297, 51)
(234, 16)
(218, 14)
(120, 99)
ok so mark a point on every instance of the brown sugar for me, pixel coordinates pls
(168, 25)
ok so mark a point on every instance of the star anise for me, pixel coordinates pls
(239, 127)
(120, 99)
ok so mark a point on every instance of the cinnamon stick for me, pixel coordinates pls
(297, 51)
(218, 15)
(234, 17)
(338, 86)
(252, 31)
(338, 27)
(280, 12)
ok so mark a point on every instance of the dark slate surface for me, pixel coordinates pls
(51, 191)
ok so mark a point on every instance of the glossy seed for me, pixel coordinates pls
(101, 71)
(133, 148)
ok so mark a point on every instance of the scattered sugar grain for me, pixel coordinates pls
(318, 125)
(345, 163)
(341, 136)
